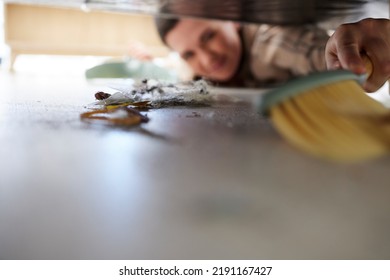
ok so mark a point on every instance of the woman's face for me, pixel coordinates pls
(212, 48)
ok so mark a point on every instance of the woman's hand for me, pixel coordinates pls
(350, 42)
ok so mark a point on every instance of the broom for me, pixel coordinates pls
(329, 115)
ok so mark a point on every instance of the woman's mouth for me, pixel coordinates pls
(218, 64)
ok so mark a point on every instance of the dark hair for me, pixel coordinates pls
(164, 25)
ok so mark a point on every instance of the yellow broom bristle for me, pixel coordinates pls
(337, 121)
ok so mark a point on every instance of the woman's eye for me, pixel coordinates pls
(207, 36)
(187, 55)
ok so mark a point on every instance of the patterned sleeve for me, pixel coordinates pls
(279, 53)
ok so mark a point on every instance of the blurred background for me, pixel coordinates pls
(54, 37)
(79, 35)
(117, 39)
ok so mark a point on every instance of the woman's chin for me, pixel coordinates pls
(222, 77)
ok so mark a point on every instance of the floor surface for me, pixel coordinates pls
(193, 183)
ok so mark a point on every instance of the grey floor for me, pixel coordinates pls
(193, 183)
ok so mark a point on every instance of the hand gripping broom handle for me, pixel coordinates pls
(369, 66)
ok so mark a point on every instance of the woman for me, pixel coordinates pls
(231, 54)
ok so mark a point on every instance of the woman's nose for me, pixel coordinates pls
(206, 57)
